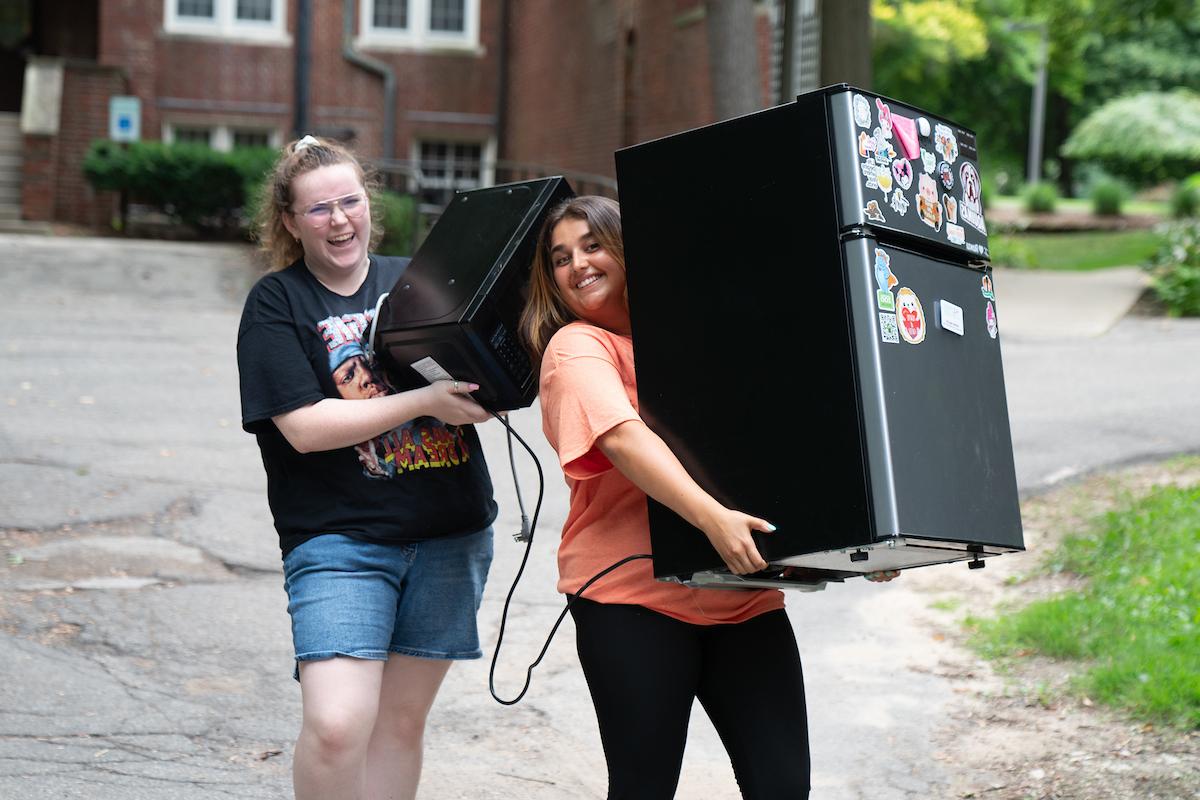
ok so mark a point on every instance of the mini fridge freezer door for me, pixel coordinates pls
(931, 388)
(902, 170)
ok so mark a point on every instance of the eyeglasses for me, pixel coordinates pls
(318, 214)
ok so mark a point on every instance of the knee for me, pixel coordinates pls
(336, 734)
(405, 728)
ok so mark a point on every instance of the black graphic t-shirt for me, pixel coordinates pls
(299, 343)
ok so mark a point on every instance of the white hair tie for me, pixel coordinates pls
(307, 141)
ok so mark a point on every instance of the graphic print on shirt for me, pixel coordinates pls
(423, 443)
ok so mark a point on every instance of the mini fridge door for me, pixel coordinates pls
(931, 388)
(907, 172)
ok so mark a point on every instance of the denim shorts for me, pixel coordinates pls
(361, 599)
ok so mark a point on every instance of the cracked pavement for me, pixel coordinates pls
(143, 620)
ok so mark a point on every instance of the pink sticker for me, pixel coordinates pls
(906, 131)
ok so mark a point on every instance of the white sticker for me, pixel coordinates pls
(888, 330)
(957, 234)
(950, 316)
(862, 111)
(431, 371)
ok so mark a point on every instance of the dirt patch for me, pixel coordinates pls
(1022, 735)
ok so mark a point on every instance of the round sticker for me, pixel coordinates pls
(910, 316)
(946, 174)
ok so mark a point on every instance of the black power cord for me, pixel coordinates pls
(526, 535)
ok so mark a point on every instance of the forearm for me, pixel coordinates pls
(332, 423)
(643, 457)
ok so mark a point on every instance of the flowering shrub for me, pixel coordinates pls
(1175, 271)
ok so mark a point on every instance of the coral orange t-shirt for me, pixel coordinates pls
(587, 389)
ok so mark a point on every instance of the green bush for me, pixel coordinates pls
(399, 221)
(1175, 271)
(1145, 138)
(1041, 198)
(192, 183)
(1108, 196)
(1185, 202)
(1008, 250)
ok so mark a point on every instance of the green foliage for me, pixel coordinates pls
(1175, 271)
(1108, 196)
(1137, 620)
(1145, 138)
(192, 183)
(1185, 200)
(399, 221)
(1040, 198)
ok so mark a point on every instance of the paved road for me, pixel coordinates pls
(142, 618)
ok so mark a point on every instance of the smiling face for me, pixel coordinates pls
(334, 242)
(588, 278)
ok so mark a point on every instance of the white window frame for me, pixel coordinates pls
(224, 23)
(221, 135)
(487, 159)
(418, 36)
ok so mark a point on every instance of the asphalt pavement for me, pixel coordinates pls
(142, 616)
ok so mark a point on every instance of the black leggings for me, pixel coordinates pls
(644, 668)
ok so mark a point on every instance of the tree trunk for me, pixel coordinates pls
(846, 42)
(733, 57)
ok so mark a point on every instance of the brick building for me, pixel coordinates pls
(443, 94)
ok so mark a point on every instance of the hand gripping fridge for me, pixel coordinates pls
(816, 335)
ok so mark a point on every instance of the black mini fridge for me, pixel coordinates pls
(816, 336)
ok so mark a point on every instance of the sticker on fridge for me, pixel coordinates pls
(884, 179)
(928, 161)
(928, 207)
(903, 173)
(911, 316)
(944, 142)
(986, 288)
(866, 144)
(956, 233)
(888, 330)
(873, 211)
(899, 203)
(883, 271)
(951, 206)
(862, 111)
(870, 171)
(990, 316)
(946, 174)
(885, 118)
(972, 204)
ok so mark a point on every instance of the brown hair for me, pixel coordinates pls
(545, 310)
(297, 158)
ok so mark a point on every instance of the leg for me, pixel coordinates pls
(394, 754)
(341, 698)
(641, 668)
(753, 690)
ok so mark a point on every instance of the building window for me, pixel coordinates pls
(420, 24)
(390, 14)
(257, 20)
(447, 15)
(220, 137)
(183, 135)
(449, 166)
(248, 138)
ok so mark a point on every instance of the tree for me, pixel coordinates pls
(1144, 138)
(733, 57)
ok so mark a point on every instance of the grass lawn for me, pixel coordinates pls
(1134, 629)
(1083, 205)
(1074, 251)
